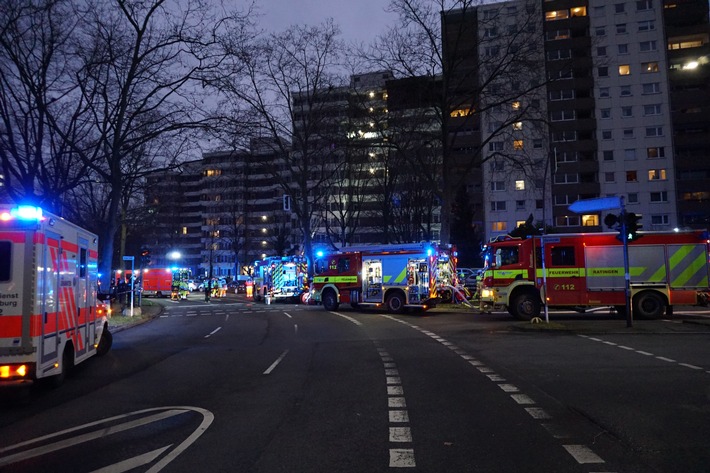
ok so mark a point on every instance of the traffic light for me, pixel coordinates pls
(145, 257)
(633, 225)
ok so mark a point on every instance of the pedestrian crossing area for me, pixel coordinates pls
(209, 311)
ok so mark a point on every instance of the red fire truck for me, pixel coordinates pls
(586, 270)
(396, 276)
(50, 318)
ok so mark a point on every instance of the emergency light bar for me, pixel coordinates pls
(22, 212)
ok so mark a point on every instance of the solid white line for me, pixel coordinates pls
(583, 454)
(275, 363)
(402, 458)
(347, 317)
(103, 432)
(213, 332)
(131, 463)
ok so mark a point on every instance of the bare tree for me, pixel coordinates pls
(469, 59)
(137, 76)
(290, 85)
(37, 165)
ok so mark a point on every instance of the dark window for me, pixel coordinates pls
(343, 265)
(5, 259)
(562, 255)
(82, 263)
(507, 255)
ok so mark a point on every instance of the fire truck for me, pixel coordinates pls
(394, 276)
(280, 277)
(50, 318)
(586, 270)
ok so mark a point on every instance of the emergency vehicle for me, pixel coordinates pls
(280, 277)
(397, 276)
(587, 270)
(50, 318)
(158, 282)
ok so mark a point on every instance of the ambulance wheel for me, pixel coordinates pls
(105, 343)
(525, 306)
(66, 366)
(330, 300)
(649, 305)
(395, 303)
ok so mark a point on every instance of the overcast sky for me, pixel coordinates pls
(359, 20)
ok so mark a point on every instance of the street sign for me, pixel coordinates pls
(128, 258)
(594, 205)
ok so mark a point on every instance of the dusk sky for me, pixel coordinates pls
(359, 20)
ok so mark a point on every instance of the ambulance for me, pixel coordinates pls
(50, 317)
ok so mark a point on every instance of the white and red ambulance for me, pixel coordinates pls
(50, 318)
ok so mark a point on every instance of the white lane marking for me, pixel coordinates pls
(275, 363)
(213, 332)
(295, 328)
(663, 358)
(396, 402)
(395, 391)
(399, 416)
(288, 315)
(538, 413)
(485, 369)
(522, 399)
(495, 377)
(509, 388)
(390, 365)
(645, 353)
(391, 372)
(626, 348)
(347, 317)
(402, 458)
(400, 434)
(131, 463)
(393, 380)
(582, 454)
(692, 367)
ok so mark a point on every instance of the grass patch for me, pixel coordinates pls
(148, 310)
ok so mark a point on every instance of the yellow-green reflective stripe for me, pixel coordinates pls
(695, 266)
(659, 275)
(401, 276)
(679, 255)
(509, 273)
(335, 279)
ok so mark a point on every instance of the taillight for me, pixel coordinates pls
(13, 371)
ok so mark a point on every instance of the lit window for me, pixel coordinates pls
(516, 105)
(579, 11)
(624, 70)
(649, 67)
(518, 126)
(556, 15)
(499, 226)
(656, 174)
(654, 153)
(184, 230)
(518, 144)
(590, 220)
(460, 112)
(520, 185)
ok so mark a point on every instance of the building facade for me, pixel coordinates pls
(623, 110)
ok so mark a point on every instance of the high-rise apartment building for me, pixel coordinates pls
(624, 109)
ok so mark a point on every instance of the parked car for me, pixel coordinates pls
(191, 285)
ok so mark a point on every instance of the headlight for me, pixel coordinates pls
(486, 294)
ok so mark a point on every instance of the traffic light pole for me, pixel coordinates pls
(627, 277)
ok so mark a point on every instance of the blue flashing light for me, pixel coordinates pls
(27, 212)
(319, 254)
(429, 251)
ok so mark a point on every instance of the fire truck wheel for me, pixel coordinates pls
(330, 301)
(649, 305)
(395, 303)
(525, 306)
(104, 343)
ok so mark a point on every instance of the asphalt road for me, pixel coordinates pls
(240, 387)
